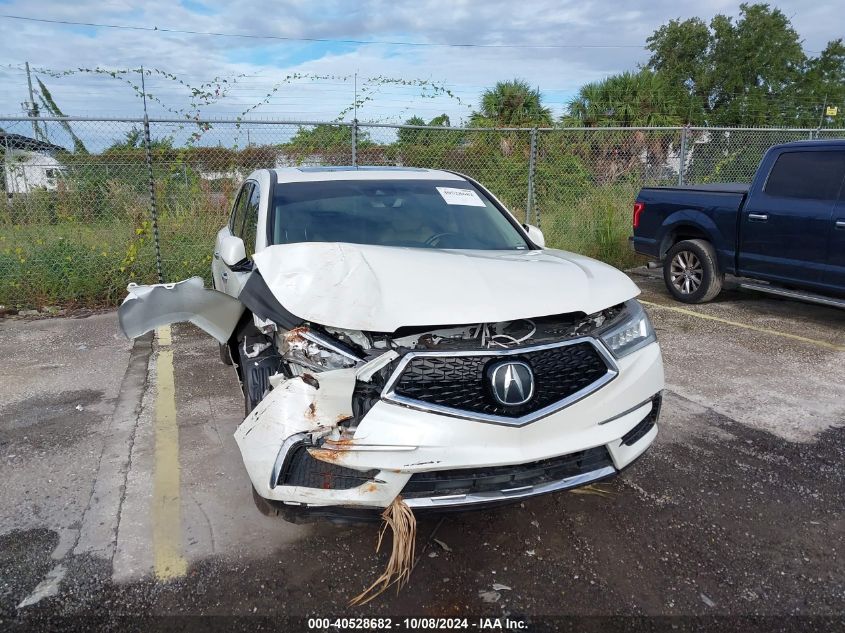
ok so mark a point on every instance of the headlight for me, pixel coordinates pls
(316, 351)
(634, 332)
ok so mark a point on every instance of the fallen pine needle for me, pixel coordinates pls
(593, 489)
(403, 525)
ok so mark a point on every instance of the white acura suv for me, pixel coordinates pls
(397, 331)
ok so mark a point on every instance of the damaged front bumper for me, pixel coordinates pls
(298, 453)
(308, 444)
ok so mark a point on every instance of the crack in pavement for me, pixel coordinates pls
(109, 486)
(93, 534)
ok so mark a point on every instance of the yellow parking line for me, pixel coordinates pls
(167, 511)
(746, 326)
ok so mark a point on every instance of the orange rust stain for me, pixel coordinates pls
(343, 417)
(295, 334)
(311, 412)
(371, 487)
(343, 444)
(322, 454)
(309, 379)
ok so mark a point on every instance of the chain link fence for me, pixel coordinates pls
(91, 205)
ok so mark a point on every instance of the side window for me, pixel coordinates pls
(251, 221)
(814, 175)
(237, 222)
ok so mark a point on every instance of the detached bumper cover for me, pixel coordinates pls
(147, 307)
(397, 450)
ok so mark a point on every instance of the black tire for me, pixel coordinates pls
(249, 405)
(248, 385)
(264, 506)
(255, 375)
(691, 273)
(225, 353)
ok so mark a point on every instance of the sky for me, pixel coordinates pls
(594, 39)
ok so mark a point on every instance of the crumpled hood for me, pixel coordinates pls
(382, 288)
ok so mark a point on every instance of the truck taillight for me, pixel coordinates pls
(639, 207)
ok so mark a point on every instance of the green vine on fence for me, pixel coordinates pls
(286, 80)
(217, 89)
(371, 86)
(205, 94)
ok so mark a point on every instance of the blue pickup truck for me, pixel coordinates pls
(784, 233)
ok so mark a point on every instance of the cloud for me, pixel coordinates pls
(466, 71)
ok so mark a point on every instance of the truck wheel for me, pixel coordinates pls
(691, 272)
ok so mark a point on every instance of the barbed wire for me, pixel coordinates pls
(380, 93)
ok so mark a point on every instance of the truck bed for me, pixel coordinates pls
(668, 210)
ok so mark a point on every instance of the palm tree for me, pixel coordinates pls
(641, 99)
(512, 104)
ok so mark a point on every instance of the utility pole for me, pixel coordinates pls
(821, 118)
(32, 106)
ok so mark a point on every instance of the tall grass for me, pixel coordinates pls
(91, 265)
(83, 243)
(54, 249)
(596, 224)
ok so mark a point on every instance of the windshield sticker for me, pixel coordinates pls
(465, 197)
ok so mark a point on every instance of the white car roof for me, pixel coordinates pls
(319, 174)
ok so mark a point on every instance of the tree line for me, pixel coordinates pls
(751, 71)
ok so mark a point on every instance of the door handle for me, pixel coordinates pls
(225, 275)
(216, 254)
(758, 217)
(840, 224)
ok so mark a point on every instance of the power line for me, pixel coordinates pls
(157, 29)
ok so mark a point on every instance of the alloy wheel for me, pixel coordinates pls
(686, 272)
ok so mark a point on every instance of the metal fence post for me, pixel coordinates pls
(148, 151)
(153, 207)
(354, 142)
(682, 156)
(530, 207)
(7, 172)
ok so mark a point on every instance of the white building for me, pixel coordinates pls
(28, 164)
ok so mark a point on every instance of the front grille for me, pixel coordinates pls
(460, 382)
(300, 469)
(638, 432)
(467, 481)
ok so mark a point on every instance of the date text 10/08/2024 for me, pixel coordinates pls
(416, 624)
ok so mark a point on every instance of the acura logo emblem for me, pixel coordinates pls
(512, 382)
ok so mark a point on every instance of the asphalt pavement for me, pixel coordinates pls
(126, 505)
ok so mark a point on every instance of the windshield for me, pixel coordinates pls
(415, 213)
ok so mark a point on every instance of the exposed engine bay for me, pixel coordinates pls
(306, 356)
(308, 349)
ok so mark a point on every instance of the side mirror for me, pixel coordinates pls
(232, 250)
(535, 235)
